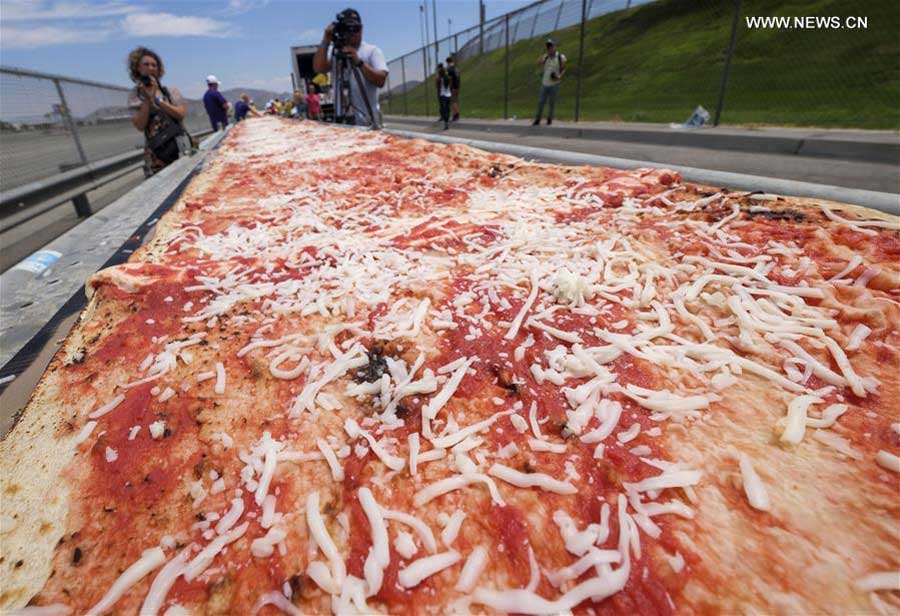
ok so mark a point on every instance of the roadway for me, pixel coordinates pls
(849, 173)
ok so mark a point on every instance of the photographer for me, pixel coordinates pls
(553, 64)
(346, 33)
(157, 110)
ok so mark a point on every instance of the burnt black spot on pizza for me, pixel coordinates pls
(505, 378)
(495, 171)
(19, 563)
(786, 214)
(76, 556)
(199, 467)
(528, 467)
(200, 516)
(376, 366)
(402, 410)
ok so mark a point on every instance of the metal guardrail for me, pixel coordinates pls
(62, 138)
(51, 124)
(71, 185)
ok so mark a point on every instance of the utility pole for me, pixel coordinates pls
(734, 28)
(480, 26)
(584, 13)
(427, 37)
(437, 58)
(449, 27)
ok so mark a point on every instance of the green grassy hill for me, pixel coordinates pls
(656, 62)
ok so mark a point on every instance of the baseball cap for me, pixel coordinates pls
(211, 79)
(351, 16)
(550, 41)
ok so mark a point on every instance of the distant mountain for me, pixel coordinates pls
(259, 97)
(403, 87)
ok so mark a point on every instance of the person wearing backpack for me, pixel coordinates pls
(453, 71)
(553, 67)
(157, 111)
(443, 82)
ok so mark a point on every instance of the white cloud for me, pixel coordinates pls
(21, 10)
(167, 24)
(312, 33)
(29, 38)
(236, 7)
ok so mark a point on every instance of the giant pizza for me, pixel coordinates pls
(355, 373)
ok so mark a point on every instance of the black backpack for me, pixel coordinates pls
(164, 144)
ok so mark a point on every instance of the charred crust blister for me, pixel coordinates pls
(375, 368)
(785, 214)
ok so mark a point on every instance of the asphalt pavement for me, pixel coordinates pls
(880, 175)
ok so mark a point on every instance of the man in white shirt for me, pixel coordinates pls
(553, 64)
(368, 58)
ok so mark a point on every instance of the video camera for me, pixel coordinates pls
(345, 26)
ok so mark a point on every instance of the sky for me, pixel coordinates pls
(245, 43)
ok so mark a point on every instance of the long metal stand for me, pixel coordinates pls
(731, 41)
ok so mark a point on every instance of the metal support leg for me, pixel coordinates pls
(82, 206)
(67, 120)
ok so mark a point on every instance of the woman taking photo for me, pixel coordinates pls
(158, 110)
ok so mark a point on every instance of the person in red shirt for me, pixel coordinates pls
(312, 103)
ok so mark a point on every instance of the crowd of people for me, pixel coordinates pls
(159, 111)
(299, 106)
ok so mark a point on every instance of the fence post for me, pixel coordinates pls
(81, 203)
(727, 68)
(455, 45)
(537, 13)
(425, 78)
(437, 57)
(480, 27)
(390, 98)
(506, 71)
(558, 15)
(580, 60)
(405, 84)
(67, 119)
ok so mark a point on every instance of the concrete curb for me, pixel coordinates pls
(887, 151)
(884, 202)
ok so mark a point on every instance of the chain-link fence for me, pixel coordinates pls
(829, 63)
(50, 124)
